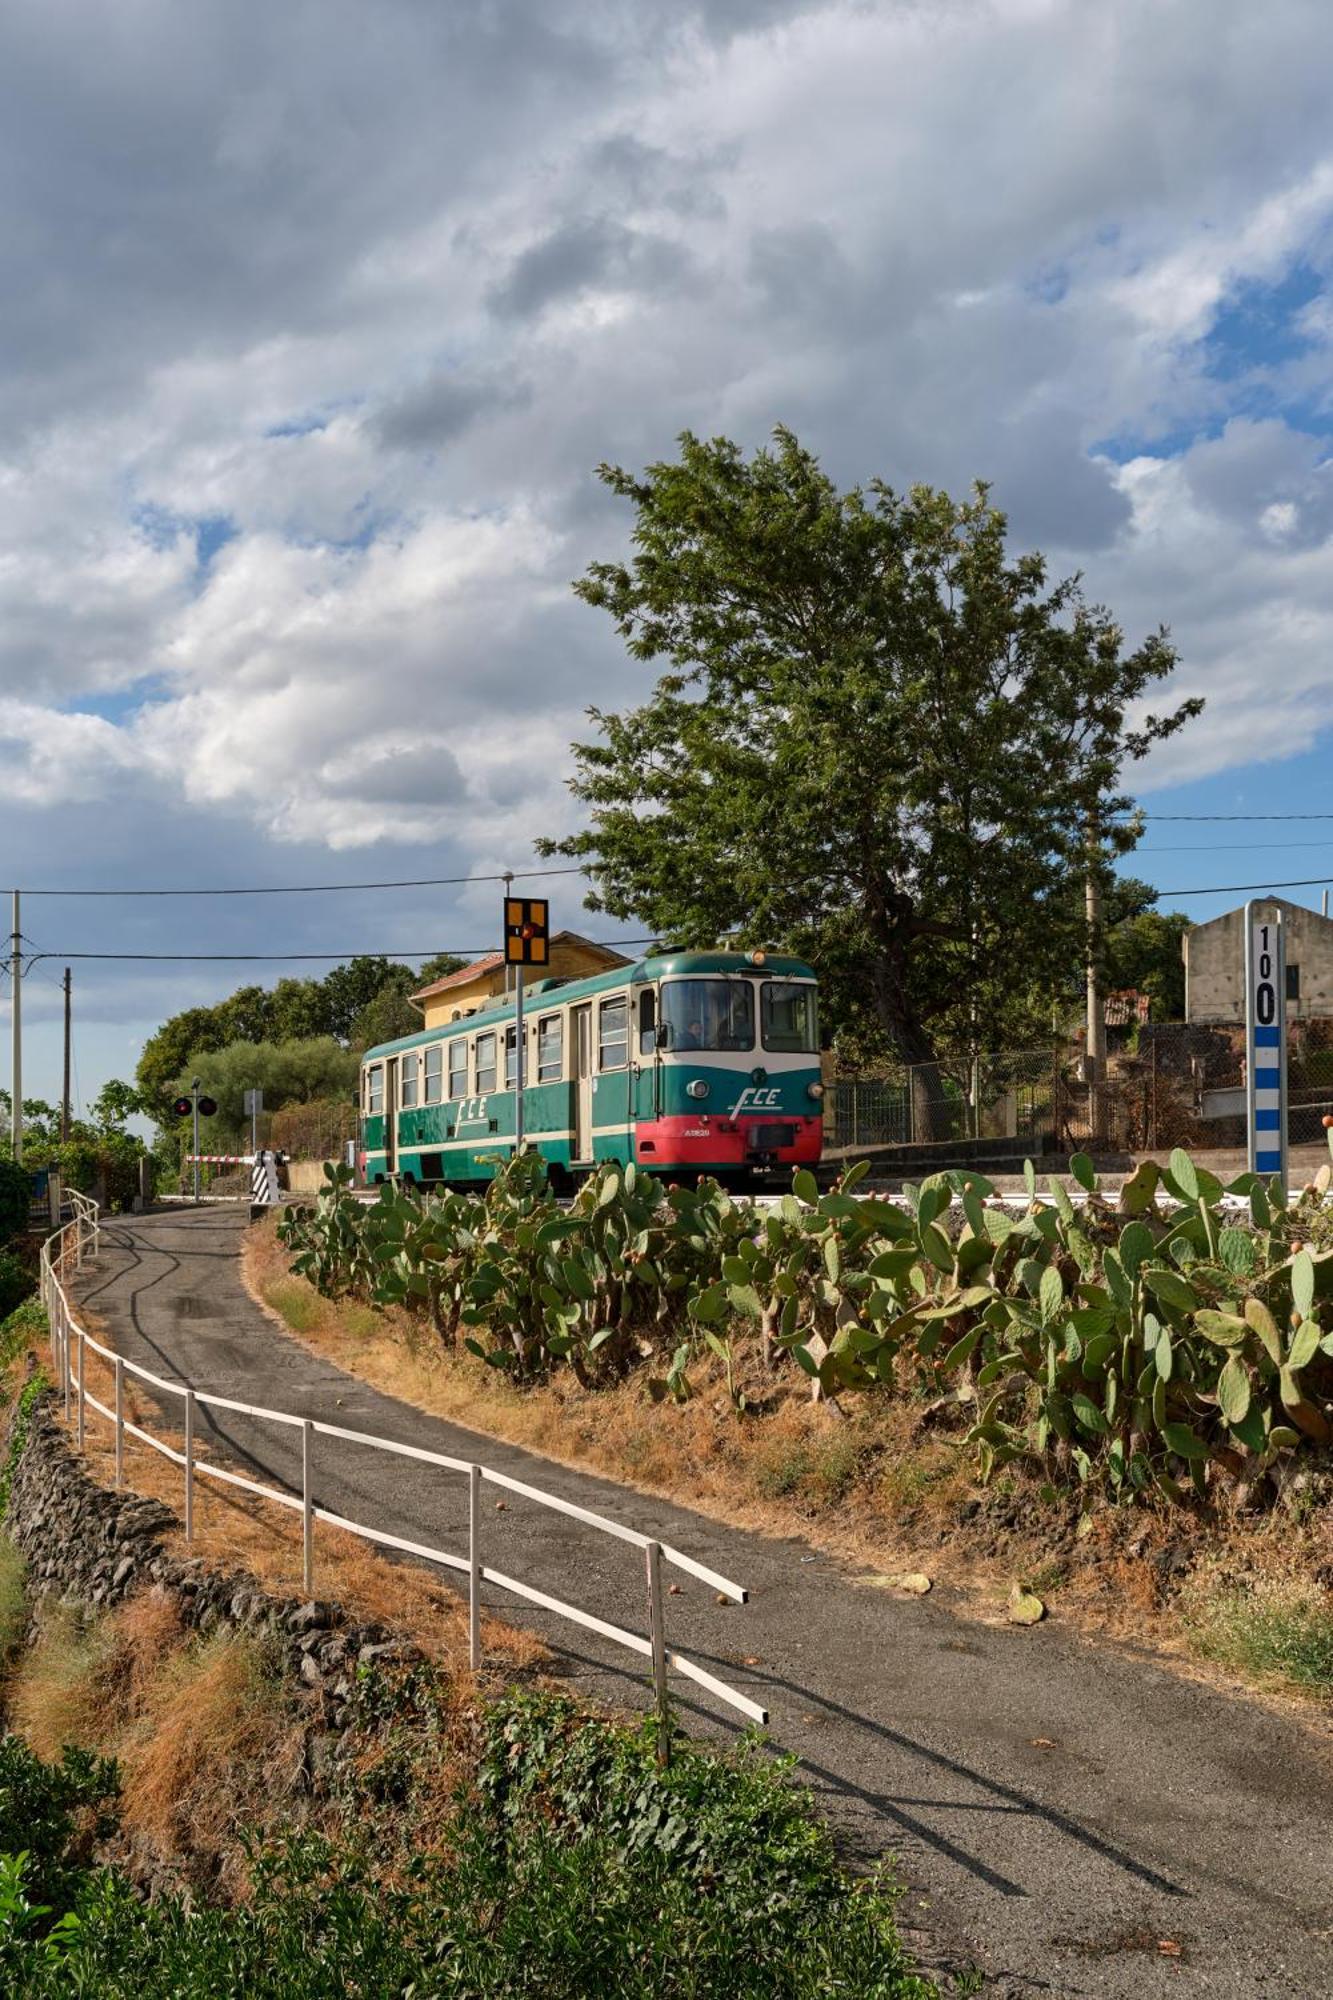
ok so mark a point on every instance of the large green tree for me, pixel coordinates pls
(880, 740)
(1144, 953)
(357, 1003)
(287, 1072)
(168, 1052)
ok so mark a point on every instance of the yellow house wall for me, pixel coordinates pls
(568, 961)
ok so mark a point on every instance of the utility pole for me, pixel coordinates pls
(16, 1025)
(1096, 1044)
(64, 1095)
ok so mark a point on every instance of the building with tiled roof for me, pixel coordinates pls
(486, 980)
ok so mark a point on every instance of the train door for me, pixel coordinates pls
(647, 1105)
(391, 1115)
(581, 1026)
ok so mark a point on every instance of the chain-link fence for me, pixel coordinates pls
(959, 1097)
(1165, 1084)
(316, 1131)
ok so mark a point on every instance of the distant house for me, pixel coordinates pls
(487, 980)
(1128, 1009)
(1215, 964)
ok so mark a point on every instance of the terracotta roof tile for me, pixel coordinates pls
(495, 959)
(464, 975)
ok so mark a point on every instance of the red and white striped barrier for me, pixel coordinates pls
(219, 1159)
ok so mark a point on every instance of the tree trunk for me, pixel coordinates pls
(911, 1041)
(894, 924)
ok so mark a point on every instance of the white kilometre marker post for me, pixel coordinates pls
(1266, 1041)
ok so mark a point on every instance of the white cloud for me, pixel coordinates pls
(372, 290)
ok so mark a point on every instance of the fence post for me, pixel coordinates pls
(652, 1556)
(474, 1566)
(307, 1510)
(120, 1423)
(64, 1354)
(189, 1467)
(83, 1370)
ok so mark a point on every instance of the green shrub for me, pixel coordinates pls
(575, 1866)
(15, 1198)
(16, 1283)
(25, 1326)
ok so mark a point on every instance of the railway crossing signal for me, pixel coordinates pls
(183, 1106)
(527, 931)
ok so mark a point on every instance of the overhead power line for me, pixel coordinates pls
(1229, 847)
(319, 888)
(290, 957)
(1248, 888)
(1219, 816)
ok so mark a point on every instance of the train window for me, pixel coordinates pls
(707, 1014)
(434, 1065)
(787, 1018)
(647, 1021)
(485, 1063)
(458, 1069)
(375, 1090)
(409, 1082)
(613, 1034)
(511, 1059)
(550, 1048)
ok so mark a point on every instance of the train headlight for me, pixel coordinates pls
(697, 1088)
(815, 1090)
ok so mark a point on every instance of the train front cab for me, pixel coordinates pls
(727, 1058)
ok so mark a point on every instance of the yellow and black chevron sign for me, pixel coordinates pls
(527, 931)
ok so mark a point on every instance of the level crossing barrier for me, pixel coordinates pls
(63, 1255)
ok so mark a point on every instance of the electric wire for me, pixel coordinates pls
(290, 957)
(318, 888)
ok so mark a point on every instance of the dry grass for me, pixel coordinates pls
(1279, 1633)
(209, 1745)
(233, 1529)
(13, 1604)
(53, 1695)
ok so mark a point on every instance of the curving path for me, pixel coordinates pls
(1057, 1809)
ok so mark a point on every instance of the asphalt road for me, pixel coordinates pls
(1056, 1808)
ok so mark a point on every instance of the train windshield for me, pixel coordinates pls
(707, 1014)
(787, 1020)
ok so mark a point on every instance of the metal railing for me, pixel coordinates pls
(64, 1252)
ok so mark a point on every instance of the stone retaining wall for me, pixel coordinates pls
(85, 1544)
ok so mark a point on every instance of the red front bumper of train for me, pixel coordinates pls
(712, 1141)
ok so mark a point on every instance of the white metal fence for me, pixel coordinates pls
(65, 1251)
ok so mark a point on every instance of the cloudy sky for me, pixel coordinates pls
(316, 317)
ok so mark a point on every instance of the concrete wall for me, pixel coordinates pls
(1215, 964)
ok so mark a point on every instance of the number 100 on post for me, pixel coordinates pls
(1266, 1040)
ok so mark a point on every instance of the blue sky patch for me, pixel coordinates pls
(117, 705)
(1258, 327)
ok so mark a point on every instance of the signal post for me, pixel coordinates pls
(527, 942)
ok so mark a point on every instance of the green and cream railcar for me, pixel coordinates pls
(687, 1062)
